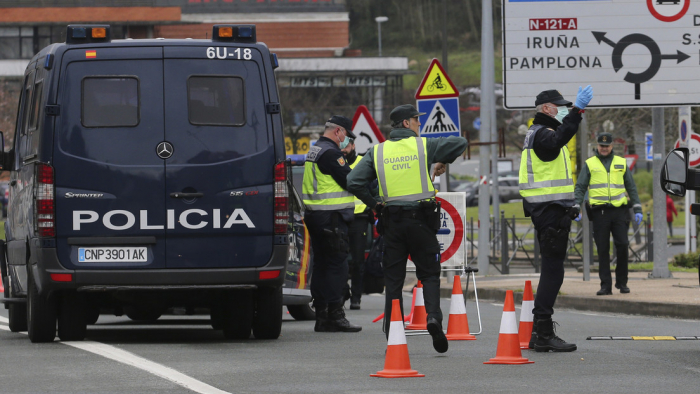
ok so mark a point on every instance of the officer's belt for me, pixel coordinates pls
(405, 214)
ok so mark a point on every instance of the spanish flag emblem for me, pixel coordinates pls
(90, 54)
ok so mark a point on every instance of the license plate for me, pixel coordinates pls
(117, 254)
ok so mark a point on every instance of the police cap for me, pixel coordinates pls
(551, 96)
(403, 112)
(343, 122)
(605, 139)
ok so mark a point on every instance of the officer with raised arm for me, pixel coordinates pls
(547, 188)
(409, 215)
(329, 209)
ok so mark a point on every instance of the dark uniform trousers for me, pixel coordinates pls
(552, 271)
(605, 221)
(329, 240)
(404, 235)
(358, 244)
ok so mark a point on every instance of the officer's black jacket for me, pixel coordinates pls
(330, 163)
(547, 146)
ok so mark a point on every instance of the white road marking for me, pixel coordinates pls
(135, 361)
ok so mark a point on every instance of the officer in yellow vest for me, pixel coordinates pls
(329, 209)
(606, 178)
(358, 231)
(410, 216)
(547, 188)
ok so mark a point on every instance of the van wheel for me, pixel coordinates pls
(268, 316)
(142, 314)
(41, 315)
(18, 317)
(302, 312)
(237, 316)
(71, 316)
(217, 317)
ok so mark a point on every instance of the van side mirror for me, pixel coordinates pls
(674, 174)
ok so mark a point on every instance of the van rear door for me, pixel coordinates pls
(109, 181)
(219, 178)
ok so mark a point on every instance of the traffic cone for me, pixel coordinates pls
(457, 324)
(419, 317)
(396, 362)
(525, 328)
(508, 350)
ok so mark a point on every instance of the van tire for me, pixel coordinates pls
(41, 315)
(268, 316)
(71, 316)
(302, 312)
(238, 310)
(92, 314)
(18, 317)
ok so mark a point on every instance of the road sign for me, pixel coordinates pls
(693, 149)
(685, 123)
(477, 124)
(633, 53)
(631, 161)
(366, 131)
(436, 83)
(451, 232)
(649, 147)
(441, 117)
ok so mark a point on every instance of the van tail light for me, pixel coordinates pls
(44, 209)
(281, 199)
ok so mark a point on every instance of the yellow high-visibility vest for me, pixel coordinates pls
(544, 181)
(402, 170)
(359, 205)
(607, 187)
(321, 192)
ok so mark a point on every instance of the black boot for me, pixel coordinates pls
(338, 322)
(533, 336)
(439, 339)
(321, 319)
(547, 340)
(604, 291)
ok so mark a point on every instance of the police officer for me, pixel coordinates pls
(547, 188)
(606, 177)
(357, 234)
(329, 209)
(410, 219)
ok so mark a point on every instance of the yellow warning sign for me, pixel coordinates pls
(302, 145)
(436, 83)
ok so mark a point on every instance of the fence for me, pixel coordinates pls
(513, 243)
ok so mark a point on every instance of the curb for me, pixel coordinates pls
(679, 311)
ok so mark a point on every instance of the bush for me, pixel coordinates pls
(645, 182)
(687, 260)
(644, 197)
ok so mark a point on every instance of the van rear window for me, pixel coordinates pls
(217, 101)
(110, 102)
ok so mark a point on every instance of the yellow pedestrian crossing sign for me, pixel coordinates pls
(436, 83)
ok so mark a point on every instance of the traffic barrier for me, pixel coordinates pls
(508, 350)
(458, 324)
(396, 362)
(419, 317)
(526, 317)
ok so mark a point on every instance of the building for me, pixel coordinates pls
(318, 75)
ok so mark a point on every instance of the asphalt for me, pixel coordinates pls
(676, 297)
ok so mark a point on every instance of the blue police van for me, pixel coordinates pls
(145, 175)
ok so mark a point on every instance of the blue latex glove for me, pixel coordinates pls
(578, 218)
(638, 217)
(584, 96)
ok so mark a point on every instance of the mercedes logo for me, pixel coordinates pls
(164, 150)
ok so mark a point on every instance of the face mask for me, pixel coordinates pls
(561, 113)
(350, 157)
(344, 143)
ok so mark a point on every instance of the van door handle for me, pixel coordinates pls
(186, 195)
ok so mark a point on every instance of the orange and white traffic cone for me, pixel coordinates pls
(419, 317)
(526, 317)
(508, 350)
(458, 324)
(396, 362)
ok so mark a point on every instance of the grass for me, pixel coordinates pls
(2, 229)
(650, 267)
(510, 209)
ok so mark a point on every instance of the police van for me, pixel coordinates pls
(145, 175)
